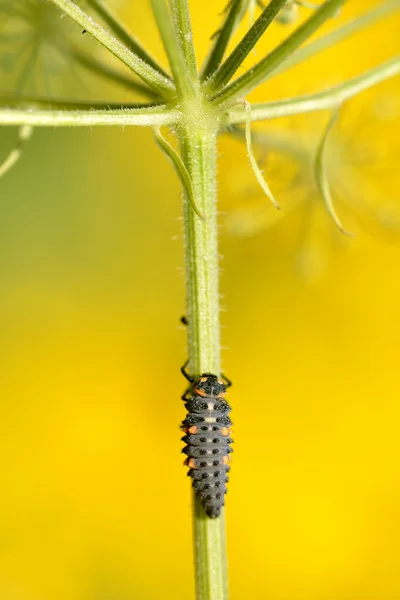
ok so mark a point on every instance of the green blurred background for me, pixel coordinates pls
(95, 504)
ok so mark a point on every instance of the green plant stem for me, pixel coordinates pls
(157, 82)
(24, 134)
(153, 116)
(329, 99)
(198, 146)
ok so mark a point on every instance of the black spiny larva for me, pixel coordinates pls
(207, 429)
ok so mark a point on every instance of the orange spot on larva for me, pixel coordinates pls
(226, 460)
(225, 431)
(192, 429)
(191, 464)
(199, 392)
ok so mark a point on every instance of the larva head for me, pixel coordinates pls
(209, 385)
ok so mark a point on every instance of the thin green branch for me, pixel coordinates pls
(223, 37)
(24, 134)
(157, 82)
(183, 81)
(179, 167)
(39, 117)
(106, 72)
(183, 27)
(243, 49)
(321, 176)
(257, 74)
(329, 99)
(333, 38)
(125, 36)
(253, 162)
(283, 141)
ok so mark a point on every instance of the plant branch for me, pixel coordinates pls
(253, 161)
(125, 36)
(257, 74)
(103, 70)
(198, 146)
(321, 177)
(243, 49)
(148, 116)
(180, 10)
(331, 39)
(183, 81)
(179, 167)
(329, 99)
(223, 36)
(24, 134)
(157, 82)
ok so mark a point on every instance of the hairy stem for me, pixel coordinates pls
(39, 117)
(330, 99)
(198, 144)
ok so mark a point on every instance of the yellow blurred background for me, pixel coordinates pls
(95, 504)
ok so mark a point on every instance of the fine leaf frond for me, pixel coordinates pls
(180, 169)
(125, 36)
(257, 74)
(253, 162)
(321, 176)
(24, 134)
(331, 39)
(155, 80)
(226, 71)
(329, 99)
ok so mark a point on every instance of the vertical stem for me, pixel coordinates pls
(198, 143)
